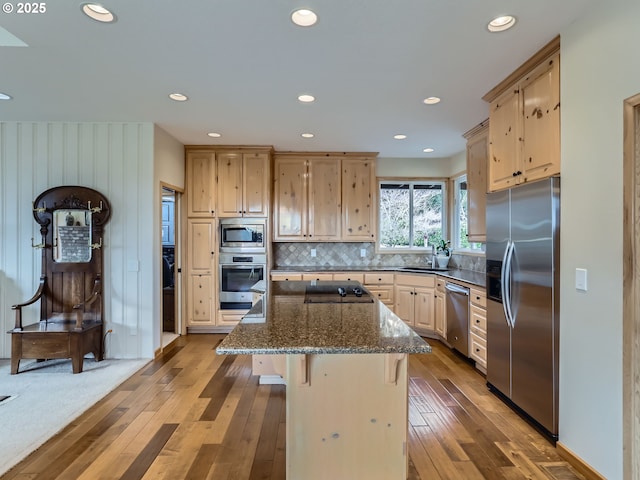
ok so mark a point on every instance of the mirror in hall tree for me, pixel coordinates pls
(72, 234)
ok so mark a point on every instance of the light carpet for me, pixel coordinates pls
(45, 397)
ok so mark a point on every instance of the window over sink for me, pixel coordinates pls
(412, 214)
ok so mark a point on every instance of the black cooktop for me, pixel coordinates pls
(337, 292)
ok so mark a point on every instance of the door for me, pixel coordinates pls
(358, 194)
(533, 337)
(200, 265)
(324, 199)
(290, 216)
(255, 184)
(498, 330)
(424, 308)
(229, 185)
(504, 143)
(404, 303)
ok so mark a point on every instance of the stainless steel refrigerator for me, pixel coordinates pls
(523, 260)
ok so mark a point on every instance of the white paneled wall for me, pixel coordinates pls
(113, 158)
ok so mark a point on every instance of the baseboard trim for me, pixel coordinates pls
(157, 354)
(576, 462)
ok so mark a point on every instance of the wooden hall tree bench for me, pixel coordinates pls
(71, 220)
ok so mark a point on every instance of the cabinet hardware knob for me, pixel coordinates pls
(515, 174)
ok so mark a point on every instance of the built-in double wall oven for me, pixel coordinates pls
(242, 261)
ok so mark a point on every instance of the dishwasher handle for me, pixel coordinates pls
(452, 287)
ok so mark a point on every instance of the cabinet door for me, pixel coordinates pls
(324, 199)
(358, 200)
(540, 93)
(290, 216)
(404, 299)
(201, 272)
(424, 308)
(200, 300)
(255, 184)
(477, 157)
(201, 181)
(229, 184)
(504, 141)
(440, 320)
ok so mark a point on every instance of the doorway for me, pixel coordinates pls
(170, 297)
(631, 289)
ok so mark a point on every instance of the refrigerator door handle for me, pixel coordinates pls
(507, 300)
(504, 283)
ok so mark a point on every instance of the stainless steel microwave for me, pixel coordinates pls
(243, 235)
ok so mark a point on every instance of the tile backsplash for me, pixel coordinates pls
(348, 255)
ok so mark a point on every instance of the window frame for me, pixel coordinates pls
(443, 182)
(476, 248)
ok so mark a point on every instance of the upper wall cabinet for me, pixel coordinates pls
(477, 158)
(243, 184)
(201, 183)
(228, 181)
(323, 197)
(358, 199)
(524, 132)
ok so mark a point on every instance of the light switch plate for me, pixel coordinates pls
(581, 279)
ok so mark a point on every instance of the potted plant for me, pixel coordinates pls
(443, 253)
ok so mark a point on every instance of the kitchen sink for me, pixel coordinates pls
(421, 269)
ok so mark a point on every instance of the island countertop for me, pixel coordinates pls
(291, 326)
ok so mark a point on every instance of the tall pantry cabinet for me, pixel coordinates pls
(220, 182)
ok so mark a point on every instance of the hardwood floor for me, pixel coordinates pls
(192, 414)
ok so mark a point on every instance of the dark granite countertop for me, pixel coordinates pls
(292, 326)
(467, 276)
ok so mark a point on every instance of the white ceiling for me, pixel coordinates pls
(369, 63)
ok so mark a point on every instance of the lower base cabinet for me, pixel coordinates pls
(415, 301)
(441, 309)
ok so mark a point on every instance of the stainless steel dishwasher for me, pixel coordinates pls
(458, 317)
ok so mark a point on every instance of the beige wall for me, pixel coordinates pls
(419, 167)
(600, 69)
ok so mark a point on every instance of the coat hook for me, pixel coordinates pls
(94, 209)
(40, 245)
(96, 246)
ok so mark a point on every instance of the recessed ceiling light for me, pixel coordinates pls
(98, 12)
(4, 96)
(400, 137)
(307, 135)
(431, 100)
(214, 134)
(306, 98)
(502, 23)
(178, 97)
(304, 17)
(428, 150)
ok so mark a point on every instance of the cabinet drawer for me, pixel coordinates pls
(478, 321)
(230, 317)
(349, 276)
(416, 280)
(285, 276)
(319, 276)
(384, 294)
(378, 278)
(478, 296)
(479, 350)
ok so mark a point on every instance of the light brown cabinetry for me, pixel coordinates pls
(358, 194)
(440, 308)
(243, 184)
(524, 113)
(478, 327)
(201, 183)
(415, 301)
(477, 158)
(380, 285)
(200, 272)
(323, 197)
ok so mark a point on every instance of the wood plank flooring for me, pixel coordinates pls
(194, 415)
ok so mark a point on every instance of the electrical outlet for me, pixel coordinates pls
(313, 252)
(363, 252)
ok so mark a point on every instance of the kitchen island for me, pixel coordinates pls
(345, 362)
